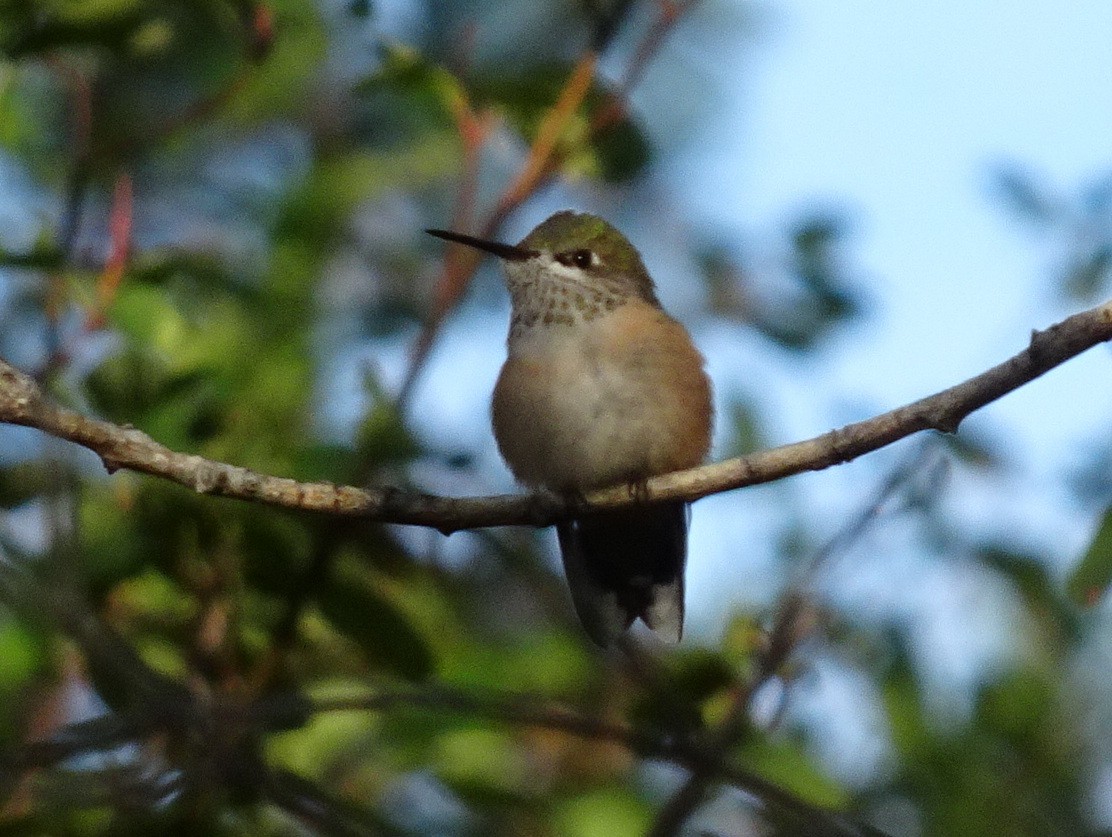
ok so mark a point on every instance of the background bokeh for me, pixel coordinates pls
(210, 229)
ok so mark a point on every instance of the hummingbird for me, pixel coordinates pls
(600, 387)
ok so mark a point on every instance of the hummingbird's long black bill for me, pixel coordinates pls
(502, 251)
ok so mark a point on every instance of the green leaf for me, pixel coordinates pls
(550, 663)
(1090, 578)
(323, 461)
(382, 438)
(1089, 273)
(622, 150)
(1057, 619)
(40, 30)
(973, 448)
(1024, 197)
(387, 638)
(24, 481)
(910, 732)
(748, 435)
(23, 651)
(484, 766)
(1018, 705)
(785, 764)
(317, 211)
(359, 8)
(127, 384)
(409, 98)
(817, 240)
(602, 813)
(693, 677)
(148, 317)
(281, 83)
(404, 70)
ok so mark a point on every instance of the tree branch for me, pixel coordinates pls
(531, 711)
(23, 402)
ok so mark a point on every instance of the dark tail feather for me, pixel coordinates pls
(626, 564)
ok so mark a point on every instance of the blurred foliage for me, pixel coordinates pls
(618, 154)
(1090, 578)
(1079, 226)
(808, 295)
(170, 646)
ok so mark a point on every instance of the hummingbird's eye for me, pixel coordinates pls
(582, 259)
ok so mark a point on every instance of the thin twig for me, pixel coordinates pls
(23, 402)
(323, 812)
(524, 710)
(669, 13)
(120, 224)
(552, 128)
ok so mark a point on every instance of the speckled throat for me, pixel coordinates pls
(545, 294)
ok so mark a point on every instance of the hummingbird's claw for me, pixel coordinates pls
(545, 505)
(576, 502)
(639, 490)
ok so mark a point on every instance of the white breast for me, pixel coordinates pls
(572, 411)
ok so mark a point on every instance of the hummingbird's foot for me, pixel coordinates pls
(639, 490)
(576, 502)
(544, 505)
